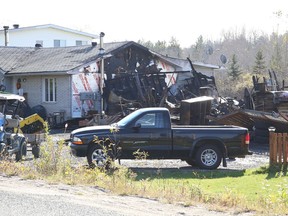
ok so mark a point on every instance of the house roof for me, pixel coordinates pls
(184, 64)
(19, 60)
(54, 27)
(60, 60)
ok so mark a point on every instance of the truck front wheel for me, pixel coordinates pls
(96, 157)
(208, 156)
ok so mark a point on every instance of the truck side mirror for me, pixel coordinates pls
(137, 126)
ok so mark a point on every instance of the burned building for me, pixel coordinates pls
(67, 80)
(137, 77)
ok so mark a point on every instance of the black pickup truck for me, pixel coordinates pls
(150, 130)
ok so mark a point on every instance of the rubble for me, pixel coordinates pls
(192, 98)
(266, 105)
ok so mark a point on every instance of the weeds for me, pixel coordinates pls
(54, 159)
(140, 155)
(275, 197)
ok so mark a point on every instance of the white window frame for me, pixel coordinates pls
(62, 43)
(49, 90)
(80, 42)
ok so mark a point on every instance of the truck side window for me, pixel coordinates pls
(147, 121)
(151, 120)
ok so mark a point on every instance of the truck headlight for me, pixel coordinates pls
(77, 141)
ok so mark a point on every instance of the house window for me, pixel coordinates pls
(80, 43)
(49, 93)
(59, 43)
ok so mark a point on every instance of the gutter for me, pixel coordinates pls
(49, 73)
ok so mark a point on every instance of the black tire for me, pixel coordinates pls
(36, 151)
(96, 157)
(40, 110)
(22, 151)
(3, 151)
(208, 156)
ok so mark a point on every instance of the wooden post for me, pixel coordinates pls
(285, 149)
(276, 140)
(280, 139)
(271, 144)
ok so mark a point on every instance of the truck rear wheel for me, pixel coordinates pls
(208, 156)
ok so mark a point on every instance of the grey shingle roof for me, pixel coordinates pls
(183, 63)
(20, 60)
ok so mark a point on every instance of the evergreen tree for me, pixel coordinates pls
(259, 66)
(234, 69)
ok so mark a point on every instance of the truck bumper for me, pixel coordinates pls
(78, 150)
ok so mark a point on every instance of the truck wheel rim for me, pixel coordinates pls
(99, 157)
(209, 157)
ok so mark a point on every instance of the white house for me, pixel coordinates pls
(44, 35)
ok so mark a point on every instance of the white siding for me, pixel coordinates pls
(28, 38)
(33, 88)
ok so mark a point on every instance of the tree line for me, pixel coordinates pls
(239, 55)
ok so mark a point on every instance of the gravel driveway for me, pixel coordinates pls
(260, 157)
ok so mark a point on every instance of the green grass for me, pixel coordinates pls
(262, 190)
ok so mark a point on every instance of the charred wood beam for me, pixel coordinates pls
(276, 80)
(192, 67)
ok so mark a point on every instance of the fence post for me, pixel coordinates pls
(271, 144)
(285, 149)
(280, 141)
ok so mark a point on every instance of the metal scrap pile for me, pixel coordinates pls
(265, 105)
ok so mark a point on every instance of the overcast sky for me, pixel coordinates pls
(150, 20)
